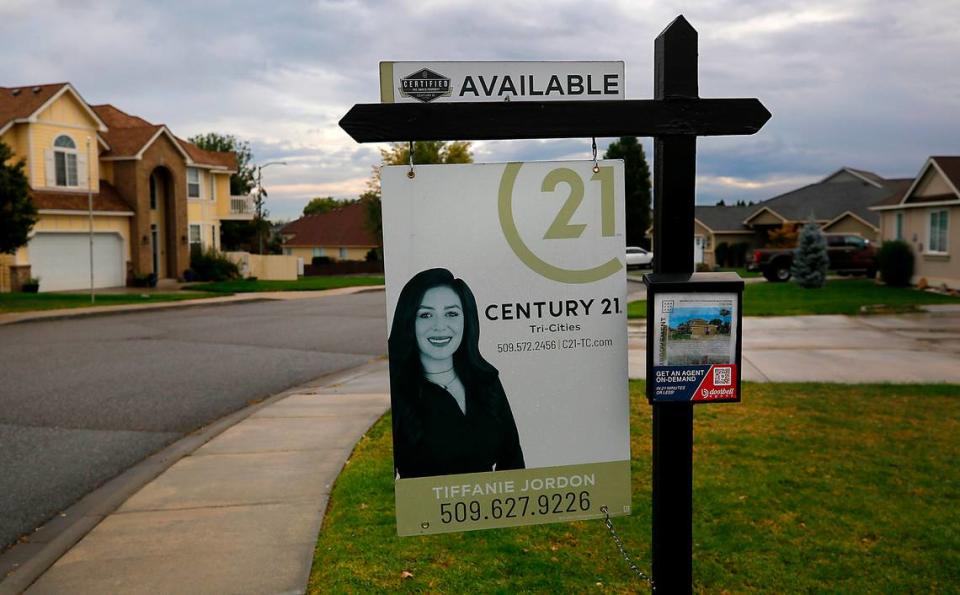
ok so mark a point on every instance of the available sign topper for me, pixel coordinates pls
(506, 314)
(411, 82)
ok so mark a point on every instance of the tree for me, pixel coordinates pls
(810, 259)
(424, 152)
(784, 236)
(636, 187)
(17, 212)
(324, 204)
(242, 182)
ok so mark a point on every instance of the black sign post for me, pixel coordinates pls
(675, 118)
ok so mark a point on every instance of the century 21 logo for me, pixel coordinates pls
(561, 228)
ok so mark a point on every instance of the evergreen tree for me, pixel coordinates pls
(17, 212)
(810, 260)
(636, 187)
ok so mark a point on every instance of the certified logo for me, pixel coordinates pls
(425, 85)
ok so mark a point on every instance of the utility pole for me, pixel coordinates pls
(260, 199)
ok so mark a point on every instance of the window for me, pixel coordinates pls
(318, 252)
(213, 187)
(938, 231)
(288, 251)
(213, 237)
(855, 242)
(898, 226)
(193, 182)
(196, 239)
(65, 160)
(343, 253)
(153, 192)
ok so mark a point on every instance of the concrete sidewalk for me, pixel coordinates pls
(241, 513)
(921, 347)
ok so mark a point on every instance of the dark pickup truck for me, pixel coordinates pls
(849, 254)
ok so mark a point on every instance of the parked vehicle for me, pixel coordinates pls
(849, 254)
(638, 258)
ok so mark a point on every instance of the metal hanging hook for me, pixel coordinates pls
(411, 174)
(596, 166)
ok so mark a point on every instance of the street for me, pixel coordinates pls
(83, 399)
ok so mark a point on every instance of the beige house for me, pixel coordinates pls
(927, 216)
(151, 196)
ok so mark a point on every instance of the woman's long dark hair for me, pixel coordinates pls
(406, 371)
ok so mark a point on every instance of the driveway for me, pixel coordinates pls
(903, 348)
(83, 399)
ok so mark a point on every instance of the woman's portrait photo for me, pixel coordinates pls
(450, 411)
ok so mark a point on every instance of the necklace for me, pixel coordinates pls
(438, 373)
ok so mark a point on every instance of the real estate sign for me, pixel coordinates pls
(439, 82)
(506, 315)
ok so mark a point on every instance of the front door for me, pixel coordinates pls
(697, 249)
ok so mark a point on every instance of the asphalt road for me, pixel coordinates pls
(81, 400)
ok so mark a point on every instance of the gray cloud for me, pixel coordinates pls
(862, 83)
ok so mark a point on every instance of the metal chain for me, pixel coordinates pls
(596, 166)
(616, 539)
(411, 174)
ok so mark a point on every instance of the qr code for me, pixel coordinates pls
(667, 306)
(721, 376)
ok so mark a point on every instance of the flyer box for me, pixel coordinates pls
(694, 336)
(506, 315)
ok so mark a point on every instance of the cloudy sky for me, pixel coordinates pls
(868, 84)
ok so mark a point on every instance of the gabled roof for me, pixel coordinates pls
(23, 104)
(826, 201)
(129, 136)
(345, 226)
(867, 176)
(724, 218)
(947, 166)
(108, 199)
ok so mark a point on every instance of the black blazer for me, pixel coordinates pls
(433, 437)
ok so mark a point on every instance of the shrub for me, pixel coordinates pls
(738, 254)
(372, 255)
(319, 260)
(810, 259)
(895, 263)
(703, 267)
(722, 254)
(210, 265)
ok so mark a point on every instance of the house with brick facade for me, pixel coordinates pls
(154, 196)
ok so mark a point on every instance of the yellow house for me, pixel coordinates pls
(340, 234)
(154, 196)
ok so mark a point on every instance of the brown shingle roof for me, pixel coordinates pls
(108, 199)
(128, 134)
(345, 226)
(951, 168)
(21, 102)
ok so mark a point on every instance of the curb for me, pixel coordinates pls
(64, 314)
(23, 563)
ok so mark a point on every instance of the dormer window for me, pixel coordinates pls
(65, 161)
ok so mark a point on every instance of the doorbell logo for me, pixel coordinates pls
(425, 85)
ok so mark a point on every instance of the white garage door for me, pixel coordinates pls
(62, 260)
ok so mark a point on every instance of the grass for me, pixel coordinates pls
(844, 296)
(800, 488)
(29, 302)
(301, 284)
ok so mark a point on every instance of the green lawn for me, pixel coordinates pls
(800, 488)
(27, 302)
(844, 296)
(301, 284)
